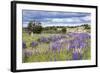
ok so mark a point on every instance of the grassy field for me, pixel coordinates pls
(55, 50)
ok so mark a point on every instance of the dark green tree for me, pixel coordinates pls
(34, 27)
(86, 26)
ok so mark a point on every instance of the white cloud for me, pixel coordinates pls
(67, 20)
(25, 24)
(58, 20)
(86, 18)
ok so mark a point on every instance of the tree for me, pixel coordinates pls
(37, 29)
(34, 27)
(87, 26)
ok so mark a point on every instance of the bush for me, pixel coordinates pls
(63, 30)
(86, 26)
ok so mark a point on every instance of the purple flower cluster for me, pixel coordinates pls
(82, 36)
(53, 38)
(56, 37)
(75, 43)
(76, 54)
(44, 40)
(55, 46)
(78, 43)
(56, 42)
(24, 45)
(33, 44)
(28, 53)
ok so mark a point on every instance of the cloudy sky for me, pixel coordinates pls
(55, 18)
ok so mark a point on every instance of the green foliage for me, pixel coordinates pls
(86, 26)
(44, 55)
(34, 27)
(63, 30)
(37, 29)
(30, 26)
(49, 56)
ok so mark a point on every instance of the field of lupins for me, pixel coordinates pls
(56, 47)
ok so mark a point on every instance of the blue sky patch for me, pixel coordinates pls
(55, 18)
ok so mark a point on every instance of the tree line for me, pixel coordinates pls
(36, 27)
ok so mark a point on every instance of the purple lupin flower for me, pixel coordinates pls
(33, 44)
(71, 44)
(75, 56)
(23, 45)
(83, 36)
(44, 40)
(56, 46)
(82, 45)
(55, 38)
(28, 53)
(77, 43)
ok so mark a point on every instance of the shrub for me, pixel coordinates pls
(63, 30)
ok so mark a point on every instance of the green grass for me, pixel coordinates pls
(44, 55)
(49, 56)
